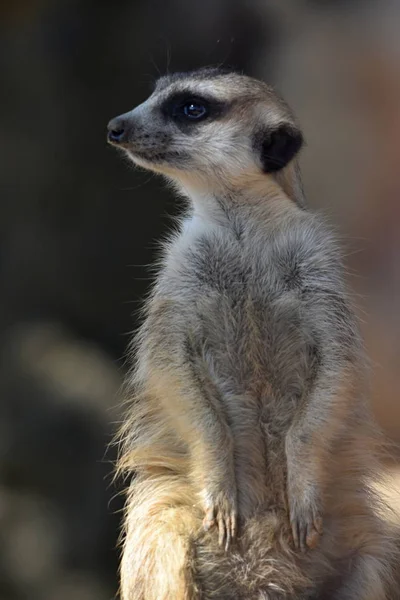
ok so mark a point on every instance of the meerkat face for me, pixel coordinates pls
(210, 123)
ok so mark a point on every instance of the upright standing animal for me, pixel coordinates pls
(249, 431)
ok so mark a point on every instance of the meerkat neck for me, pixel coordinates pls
(259, 196)
(218, 198)
(290, 181)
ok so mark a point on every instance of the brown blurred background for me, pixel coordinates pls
(77, 228)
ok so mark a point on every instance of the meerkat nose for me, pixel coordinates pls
(117, 130)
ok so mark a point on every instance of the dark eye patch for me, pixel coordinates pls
(188, 109)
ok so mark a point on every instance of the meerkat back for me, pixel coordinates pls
(249, 432)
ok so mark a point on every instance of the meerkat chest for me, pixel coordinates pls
(206, 260)
(241, 294)
(230, 284)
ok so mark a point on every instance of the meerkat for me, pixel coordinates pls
(249, 431)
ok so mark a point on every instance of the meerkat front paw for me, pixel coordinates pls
(221, 511)
(305, 518)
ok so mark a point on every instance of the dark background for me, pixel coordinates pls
(78, 227)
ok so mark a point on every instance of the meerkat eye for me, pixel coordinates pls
(188, 109)
(194, 110)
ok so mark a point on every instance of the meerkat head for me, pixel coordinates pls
(209, 127)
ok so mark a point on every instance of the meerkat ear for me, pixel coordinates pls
(278, 147)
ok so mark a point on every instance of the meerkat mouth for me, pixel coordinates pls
(157, 158)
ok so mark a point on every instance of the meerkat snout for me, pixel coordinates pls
(119, 130)
(209, 123)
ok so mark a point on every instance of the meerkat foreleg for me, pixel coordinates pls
(181, 379)
(211, 448)
(309, 441)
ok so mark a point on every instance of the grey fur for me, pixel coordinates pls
(249, 408)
